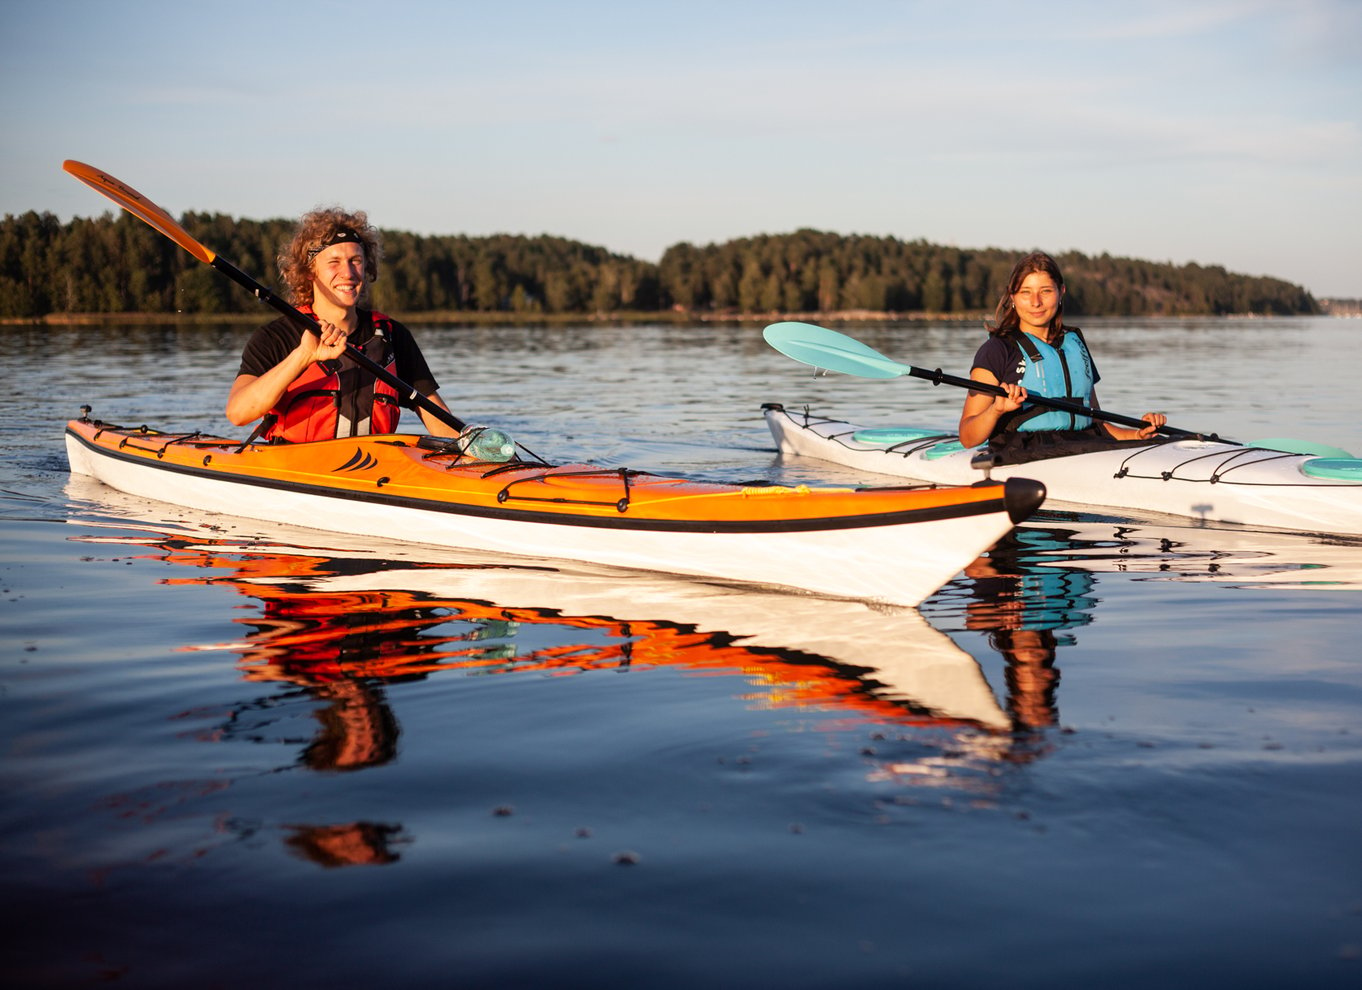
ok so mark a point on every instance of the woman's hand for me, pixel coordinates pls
(1155, 420)
(983, 410)
(1012, 401)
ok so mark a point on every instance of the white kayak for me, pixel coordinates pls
(1211, 481)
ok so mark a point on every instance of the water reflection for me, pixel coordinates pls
(1191, 552)
(355, 844)
(326, 621)
(1041, 581)
(339, 628)
(1021, 595)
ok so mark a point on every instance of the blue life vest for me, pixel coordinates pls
(1063, 372)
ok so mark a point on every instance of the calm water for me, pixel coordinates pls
(1124, 750)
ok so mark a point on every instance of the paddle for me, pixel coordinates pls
(144, 209)
(833, 351)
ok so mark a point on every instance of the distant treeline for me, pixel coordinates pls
(1341, 307)
(111, 265)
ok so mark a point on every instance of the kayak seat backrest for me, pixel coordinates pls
(1334, 468)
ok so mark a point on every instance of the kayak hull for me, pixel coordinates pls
(893, 545)
(1204, 480)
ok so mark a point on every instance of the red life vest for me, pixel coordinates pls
(338, 398)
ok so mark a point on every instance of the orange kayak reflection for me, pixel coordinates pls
(353, 609)
(329, 621)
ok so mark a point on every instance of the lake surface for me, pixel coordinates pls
(1119, 749)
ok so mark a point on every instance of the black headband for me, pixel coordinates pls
(341, 235)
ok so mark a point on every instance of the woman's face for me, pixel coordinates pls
(1037, 301)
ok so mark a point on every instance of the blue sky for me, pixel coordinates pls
(1193, 130)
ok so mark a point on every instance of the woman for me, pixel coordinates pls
(1030, 350)
(303, 382)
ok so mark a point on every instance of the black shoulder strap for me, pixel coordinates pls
(380, 347)
(1023, 340)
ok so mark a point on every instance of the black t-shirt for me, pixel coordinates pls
(273, 342)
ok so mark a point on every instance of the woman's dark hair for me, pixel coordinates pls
(1005, 319)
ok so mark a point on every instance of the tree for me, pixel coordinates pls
(118, 264)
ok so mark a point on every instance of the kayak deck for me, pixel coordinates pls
(1209, 480)
(407, 469)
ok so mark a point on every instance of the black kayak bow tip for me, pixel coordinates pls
(1022, 497)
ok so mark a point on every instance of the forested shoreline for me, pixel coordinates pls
(115, 265)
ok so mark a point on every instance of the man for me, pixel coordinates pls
(304, 382)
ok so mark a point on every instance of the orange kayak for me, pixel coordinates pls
(896, 544)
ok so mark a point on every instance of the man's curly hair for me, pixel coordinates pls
(317, 230)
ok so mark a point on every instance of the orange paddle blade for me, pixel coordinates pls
(139, 206)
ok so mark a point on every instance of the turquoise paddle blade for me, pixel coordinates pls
(831, 351)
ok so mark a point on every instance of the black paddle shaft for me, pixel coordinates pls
(939, 377)
(359, 357)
